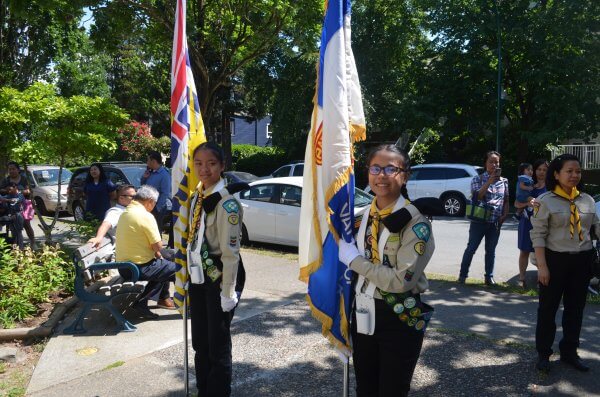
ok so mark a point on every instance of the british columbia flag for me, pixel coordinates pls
(187, 132)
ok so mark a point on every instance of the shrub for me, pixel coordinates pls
(257, 160)
(27, 278)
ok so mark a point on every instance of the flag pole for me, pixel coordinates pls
(185, 344)
(346, 391)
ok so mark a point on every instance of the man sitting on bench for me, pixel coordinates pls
(139, 241)
(125, 194)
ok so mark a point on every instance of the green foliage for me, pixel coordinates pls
(257, 160)
(84, 229)
(27, 278)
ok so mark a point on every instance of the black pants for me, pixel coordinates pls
(211, 339)
(385, 361)
(569, 278)
(159, 273)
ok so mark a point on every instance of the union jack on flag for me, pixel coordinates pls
(187, 132)
(328, 186)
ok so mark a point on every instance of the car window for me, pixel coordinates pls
(427, 174)
(29, 177)
(299, 170)
(283, 171)
(49, 176)
(116, 177)
(361, 199)
(455, 173)
(259, 193)
(134, 175)
(291, 195)
(79, 178)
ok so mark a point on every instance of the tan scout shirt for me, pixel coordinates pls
(223, 229)
(408, 252)
(551, 221)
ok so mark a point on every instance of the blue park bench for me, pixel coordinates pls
(87, 262)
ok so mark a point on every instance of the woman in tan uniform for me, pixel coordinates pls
(563, 249)
(389, 318)
(216, 272)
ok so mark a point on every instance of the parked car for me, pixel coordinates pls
(295, 168)
(451, 183)
(239, 176)
(118, 172)
(43, 181)
(272, 210)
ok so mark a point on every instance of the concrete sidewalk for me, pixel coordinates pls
(480, 343)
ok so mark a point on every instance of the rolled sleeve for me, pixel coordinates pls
(229, 243)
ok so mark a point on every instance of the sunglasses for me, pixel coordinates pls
(126, 195)
(388, 171)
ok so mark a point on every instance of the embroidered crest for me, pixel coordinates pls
(422, 231)
(232, 241)
(408, 276)
(233, 219)
(420, 248)
(231, 206)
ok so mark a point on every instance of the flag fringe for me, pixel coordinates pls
(327, 323)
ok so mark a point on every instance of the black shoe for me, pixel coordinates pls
(461, 280)
(144, 312)
(490, 281)
(543, 364)
(575, 362)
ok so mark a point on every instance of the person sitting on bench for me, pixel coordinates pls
(125, 194)
(138, 240)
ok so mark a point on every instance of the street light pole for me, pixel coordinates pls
(499, 105)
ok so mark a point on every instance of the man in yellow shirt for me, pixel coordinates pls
(139, 241)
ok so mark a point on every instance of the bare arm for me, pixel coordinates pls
(102, 230)
(156, 247)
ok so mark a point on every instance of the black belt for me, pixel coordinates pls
(570, 252)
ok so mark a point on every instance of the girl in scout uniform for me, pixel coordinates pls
(389, 318)
(563, 248)
(214, 263)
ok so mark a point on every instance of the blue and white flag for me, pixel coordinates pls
(328, 187)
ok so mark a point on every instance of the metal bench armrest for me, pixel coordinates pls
(135, 272)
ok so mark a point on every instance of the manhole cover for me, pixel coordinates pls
(87, 351)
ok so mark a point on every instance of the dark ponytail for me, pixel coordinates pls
(401, 153)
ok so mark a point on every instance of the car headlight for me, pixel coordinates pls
(52, 196)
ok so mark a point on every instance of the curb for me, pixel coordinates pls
(47, 327)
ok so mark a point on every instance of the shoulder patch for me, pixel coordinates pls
(231, 206)
(233, 219)
(420, 247)
(422, 231)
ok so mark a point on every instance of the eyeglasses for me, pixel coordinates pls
(126, 195)
(388, 171)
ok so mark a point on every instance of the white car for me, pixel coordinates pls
(293, 169)
(272, 210)
(43, 181)
(451, 183)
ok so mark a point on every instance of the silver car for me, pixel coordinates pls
(43, 181)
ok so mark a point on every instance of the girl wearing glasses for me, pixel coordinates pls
(389, 318)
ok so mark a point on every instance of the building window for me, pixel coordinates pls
(269, 132)
(232, 127)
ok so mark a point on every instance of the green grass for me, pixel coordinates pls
(2, 367)
(505, 287)
(113, 365)
(292, 256)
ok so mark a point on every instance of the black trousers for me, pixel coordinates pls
(569, 278)
(384, 362)
(211, 339)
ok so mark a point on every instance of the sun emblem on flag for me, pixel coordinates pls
(319, 145)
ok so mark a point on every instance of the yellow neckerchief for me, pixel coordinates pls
(376, 215)
(197, 212)
(575, 219)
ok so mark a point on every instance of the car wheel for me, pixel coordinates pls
(454, 205)
(78, 212)
(244, 238)
(41, 207)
